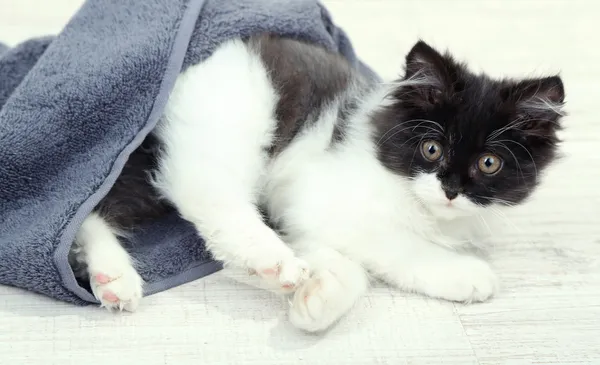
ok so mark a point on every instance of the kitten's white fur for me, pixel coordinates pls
(111, 271)
(346, 217)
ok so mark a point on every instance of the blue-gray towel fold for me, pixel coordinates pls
(73, 107)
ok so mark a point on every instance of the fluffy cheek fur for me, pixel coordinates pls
(428, 190)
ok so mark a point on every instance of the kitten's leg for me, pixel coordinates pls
(427, 268)
(337, 282)
(113, 279)
(217, 128)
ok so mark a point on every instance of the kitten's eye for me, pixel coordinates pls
(431, 150)
(489, 164)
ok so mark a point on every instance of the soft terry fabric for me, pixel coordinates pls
(74, 106)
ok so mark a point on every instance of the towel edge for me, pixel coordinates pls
(174, 65)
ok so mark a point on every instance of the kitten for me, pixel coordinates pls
(386, 181)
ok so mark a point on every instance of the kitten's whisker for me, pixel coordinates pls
(544, 104)
(491, 234)
(526, 150)
(400, 131)
(501, 144)
(496, 200)
(503, 202)
(414, 153)
(411, 138)
(512, 125)
(497, 212)
(426, 127)
(421, 122)
(516, 124)
(391, 129)
(485, 223)
(440, 127)
(435, 131)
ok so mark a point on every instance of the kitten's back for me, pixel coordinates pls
(307, 78)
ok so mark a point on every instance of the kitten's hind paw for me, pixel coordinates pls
(320, 302)
(117, 291)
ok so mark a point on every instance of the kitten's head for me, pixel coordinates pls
(465, 140)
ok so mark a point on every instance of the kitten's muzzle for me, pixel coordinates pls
(451, 194)
(451, 185)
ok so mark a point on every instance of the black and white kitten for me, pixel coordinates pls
(361, 181)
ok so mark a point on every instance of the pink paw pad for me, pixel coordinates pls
(102, 279)
(270, 272)
(110, 296)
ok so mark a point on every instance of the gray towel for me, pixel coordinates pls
(74, 106)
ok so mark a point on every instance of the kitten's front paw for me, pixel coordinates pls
(319, 303)
(117, 289)
(286, 274)
(463, 280)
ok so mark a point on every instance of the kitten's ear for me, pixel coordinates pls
(539, 102)
(549, 89)
(428, 76)
(424, 60)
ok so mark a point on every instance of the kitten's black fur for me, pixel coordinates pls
(132, 200)
(440, 99)
(307, 78)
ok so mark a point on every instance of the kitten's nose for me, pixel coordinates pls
(450, 194)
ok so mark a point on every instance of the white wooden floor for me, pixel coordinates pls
(549, 261)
